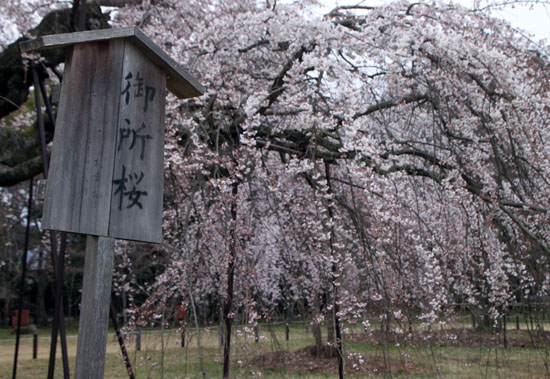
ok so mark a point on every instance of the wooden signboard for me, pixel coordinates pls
(106, 171)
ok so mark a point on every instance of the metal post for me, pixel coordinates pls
(22, 283)
(287, 331)
(58, 319)
(94, 309)
(138, 340)
(35, 346)
(58, 257)
(505, 332)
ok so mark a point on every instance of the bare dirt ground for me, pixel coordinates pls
(305, 359)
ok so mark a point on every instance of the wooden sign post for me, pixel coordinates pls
(106, 172)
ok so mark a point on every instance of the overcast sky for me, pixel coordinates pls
(534, 19)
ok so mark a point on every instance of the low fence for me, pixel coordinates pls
(520, 317)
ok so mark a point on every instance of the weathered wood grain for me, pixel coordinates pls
(94, 308)
(79, 187)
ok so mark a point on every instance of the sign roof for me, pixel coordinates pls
(178, 80)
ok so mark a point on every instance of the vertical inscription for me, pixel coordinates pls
(136, 200)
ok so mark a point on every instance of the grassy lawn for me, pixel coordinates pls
(275, 357)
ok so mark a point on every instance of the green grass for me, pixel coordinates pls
(403, 361)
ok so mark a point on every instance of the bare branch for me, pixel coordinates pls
(21, 172)
(255, 44)
(277, 86)
(392, 103)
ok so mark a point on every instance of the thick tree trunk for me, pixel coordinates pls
(228, 302)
